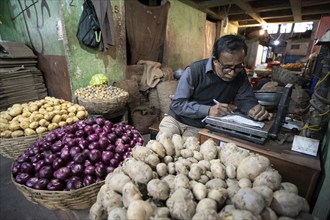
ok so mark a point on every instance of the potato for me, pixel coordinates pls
(244, 183)
(156, 147)
(181, 181)
(17, 133)
(198, 155)
(5, 115)
(137, 170)
(218, 195)
(139, 209)
(49, 109)
(161, 169)
(248, 199)
(178, 144)
(170, 180)
(56, 119)
(288, 204)
(185, 153)
(251, 166)
(209, 149)
(268, 214)
(81, 115)
(42, 111)
(69, 121)
(49, 116)
(14, 111)
(191, 143)
(26, 114)
(181, 204)
(36, 117)
(270, 178)
(34, 125)
(72, 109)
(62, 124)
(64, 117)
(5, 134)
(52, 126)
(289, 187)
(199, 191)
(130, 193)
(4, 127)
(110, 199)
(43, 122)
(29, 131)
(195, 172)
(75, 119)
(118, 214)
(266, 193)
(117, 182)
(71, 114)
(24, 124)
(218, 169)
(215, 184)
(158, 189)
(14, 125)
(180, 168)
(206, 204)
(40, 130)
(97, 212)
(231, 171)
(205, 214)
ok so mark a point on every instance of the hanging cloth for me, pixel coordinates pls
(104, 15)
(146, 30)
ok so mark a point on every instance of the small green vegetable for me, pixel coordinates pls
(99, 79)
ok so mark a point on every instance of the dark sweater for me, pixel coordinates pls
(199, 85)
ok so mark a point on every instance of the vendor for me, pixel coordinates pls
(222, 78)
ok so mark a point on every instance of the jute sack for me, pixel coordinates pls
(143, 117)
(165, 90)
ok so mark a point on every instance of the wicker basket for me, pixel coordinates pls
(94, 106)
(78, 199)
(13, 147)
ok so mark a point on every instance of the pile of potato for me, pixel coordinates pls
(177, 178)
(39, 116)
(101, 92)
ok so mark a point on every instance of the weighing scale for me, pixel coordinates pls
(253, 133)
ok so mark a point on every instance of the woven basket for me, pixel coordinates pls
(78, 199)
(108, 106)
(13, 147)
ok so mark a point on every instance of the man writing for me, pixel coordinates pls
(222, 78)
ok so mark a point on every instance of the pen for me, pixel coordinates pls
(216, 102)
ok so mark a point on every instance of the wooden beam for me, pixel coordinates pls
(213, 3)
(209, 12)
(249, 10)
(313, 3)
(296, 9)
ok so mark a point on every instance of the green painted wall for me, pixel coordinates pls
(84, 62)
(185, 35)
(39, 25)
(32, 23)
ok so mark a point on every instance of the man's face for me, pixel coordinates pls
(229, 65)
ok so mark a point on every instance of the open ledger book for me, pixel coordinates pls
(239, 120)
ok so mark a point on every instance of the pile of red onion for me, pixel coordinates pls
(76, 155)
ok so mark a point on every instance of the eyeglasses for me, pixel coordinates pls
(227, 69)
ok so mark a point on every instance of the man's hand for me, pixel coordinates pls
(259, 113)
(221, 109)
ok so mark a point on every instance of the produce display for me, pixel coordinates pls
(75, 155)
(178, 178)
(293, 66)
(39, 116)
(102, 92)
